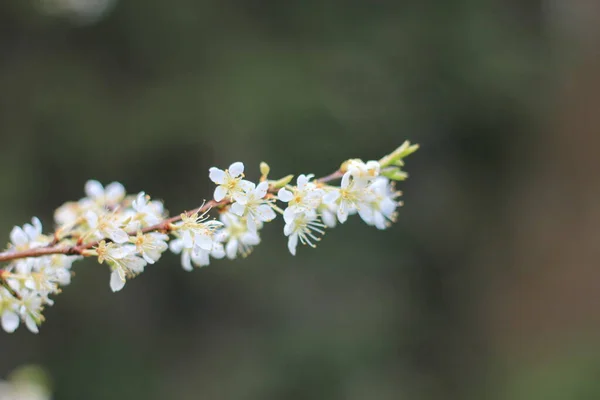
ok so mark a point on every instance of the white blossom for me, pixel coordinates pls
(30, 310)
(303, 226)
(151, 245)
(27, 309)
(328, 214)
(305, 196)
(147, 212)
(237, 237)
(380, 209)
(253, 206)
(197, 231)
(28, 236)
(110, 196)
(348, 197)
(122, 260)
(362, 171)
(106, 226)
(197, 256)
(230, 182)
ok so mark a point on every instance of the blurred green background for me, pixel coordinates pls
(486, 288)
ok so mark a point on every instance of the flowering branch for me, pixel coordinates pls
(129, 232)
(53, 248)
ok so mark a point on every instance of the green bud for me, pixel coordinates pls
(394, 174)
(282, 182)
(395, 158)
(264, 169)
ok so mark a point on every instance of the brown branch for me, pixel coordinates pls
(163, 226)
(331, 177)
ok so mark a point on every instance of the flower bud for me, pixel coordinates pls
(264, 170)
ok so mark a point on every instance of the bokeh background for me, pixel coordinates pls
(488, 287)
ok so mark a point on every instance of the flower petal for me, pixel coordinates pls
(246, 186)
(33, 231)
(148, 259)
(201, 258)
(216, 175)
(240, 198)
(237, 209)
(288, 228)
(93, 189)
(345, 180)
(18, 236)
(331, 196)
(379, 221)
(218, 251)
(139, 202)
(118, 235)
(328, 219)
(236, 169)
(187, 239)
(292, 243)
(261, 189)
(31, 325)
(116, 282)
(342, 212)
(114, 192)
(285, 195)
(220, 193)
(231, 249)
(92, 219)
(203, 241)
(186, 261)
(176, 245)
(10, 321)
(302, 181)
(118, 252)
(266, 213)
(251, 223)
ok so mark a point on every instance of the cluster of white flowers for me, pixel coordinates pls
(312, 205)
(128, 232)
(106, 217)
(34, 279)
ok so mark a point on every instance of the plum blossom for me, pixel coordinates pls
(110, 196)
(230, 182)
(254, 206)
(197, 231)
(146, 211)
(151, 245)
(303, 226)
(348, 197)
(196, 257)
(122, 260)
(27, 309)
(362, 171)
(106, 226)
(380, 209)
(305, 196)
(237, 237)
(27, 236)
